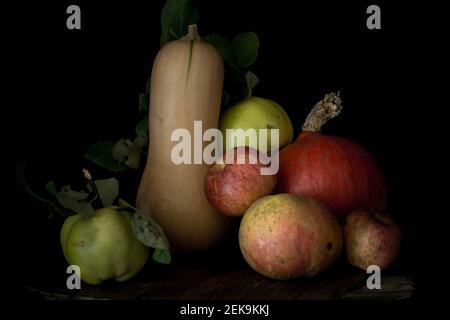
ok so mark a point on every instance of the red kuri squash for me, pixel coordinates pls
(334, 170)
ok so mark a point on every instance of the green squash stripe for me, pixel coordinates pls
(191, 48)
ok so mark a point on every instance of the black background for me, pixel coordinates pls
(78, 86)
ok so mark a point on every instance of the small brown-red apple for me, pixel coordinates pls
(233, 187)
(371, 238)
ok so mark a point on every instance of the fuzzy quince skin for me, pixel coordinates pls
(103, 246)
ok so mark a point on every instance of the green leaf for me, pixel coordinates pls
(252, 81)
(126, 206)
(245, 49)
(133, 159)
(108, 190)
(149, 232)
(20, 177)
(74, 195)
(51, 187)
(162, 256)
(101, 154)
(221, 44)
(239, 88)
(142, 128)
(140, 142)
(83, 208)
(176, 16)
(143, 103)
(129, 152)
(145, 229)
(122, 149)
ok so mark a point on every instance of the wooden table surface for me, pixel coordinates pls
(224, 275)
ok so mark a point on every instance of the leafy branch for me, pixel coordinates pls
(103, 192)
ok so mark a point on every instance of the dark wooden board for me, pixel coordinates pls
(226, 276)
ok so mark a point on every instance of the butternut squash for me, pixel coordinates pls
(186, 86)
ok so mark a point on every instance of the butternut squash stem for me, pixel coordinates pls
(324, 110)
(192, 32)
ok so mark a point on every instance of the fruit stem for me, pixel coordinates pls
(87, 175)
(192, 32)
(324, 110)
(220, 166)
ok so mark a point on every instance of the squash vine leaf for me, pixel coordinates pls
(101, 153)
(239, 54)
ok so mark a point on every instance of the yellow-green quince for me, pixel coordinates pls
(103, 246)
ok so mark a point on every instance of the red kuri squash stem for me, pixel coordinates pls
(324, 110)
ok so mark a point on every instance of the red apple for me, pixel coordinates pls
(233, 187)
(371, 238)
(287, 236)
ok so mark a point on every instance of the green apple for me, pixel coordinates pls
(256, 113)
(103, 246)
